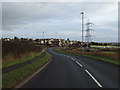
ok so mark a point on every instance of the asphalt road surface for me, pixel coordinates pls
(66, 71)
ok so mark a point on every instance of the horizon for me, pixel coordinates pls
(57, 38)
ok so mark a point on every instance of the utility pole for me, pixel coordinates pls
(82, 13)
(88, 32)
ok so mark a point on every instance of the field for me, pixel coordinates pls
(105, 55)
(18, 51)
(108, 46)
(111, 55)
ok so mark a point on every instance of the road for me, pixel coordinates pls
(66, 71)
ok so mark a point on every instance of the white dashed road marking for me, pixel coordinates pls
(94, 78)
(73, 59)
(85, 70)
(79, 64)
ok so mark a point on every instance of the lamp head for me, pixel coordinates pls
(82, 13)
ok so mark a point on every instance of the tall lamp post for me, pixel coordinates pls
(82, 13)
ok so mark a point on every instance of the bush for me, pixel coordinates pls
(15, 49)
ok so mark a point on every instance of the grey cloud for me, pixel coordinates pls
(14, 13)
(53, 16)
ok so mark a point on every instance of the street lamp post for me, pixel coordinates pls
(82, 13)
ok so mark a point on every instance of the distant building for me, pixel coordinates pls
(49, 42)
(6, 39)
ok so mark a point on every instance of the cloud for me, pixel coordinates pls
(61, 0)
(63, 18)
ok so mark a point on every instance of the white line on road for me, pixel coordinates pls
(85, 70)
(79, 63)
(68, 56)
(73, 59)
(31, 76)
(94, 79)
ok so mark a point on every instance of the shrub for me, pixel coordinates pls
(17, 49)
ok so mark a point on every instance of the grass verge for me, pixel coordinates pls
(11, 79)
(113, 61)
(10, 63)
(108, 46)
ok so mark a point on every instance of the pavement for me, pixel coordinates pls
(69, 71)
(16, 66)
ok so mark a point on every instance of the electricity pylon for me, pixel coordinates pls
(88, 35)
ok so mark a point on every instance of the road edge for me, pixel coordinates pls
(31, 76)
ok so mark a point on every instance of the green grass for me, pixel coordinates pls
(99, 46)
(11, 79)
(113, 61)
(110, 52)
(13, 62)
(104, 59)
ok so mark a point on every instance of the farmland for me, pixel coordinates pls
(18, 52)
(108, 46)
(108, 55)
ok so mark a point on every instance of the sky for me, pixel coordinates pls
(60, 20)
